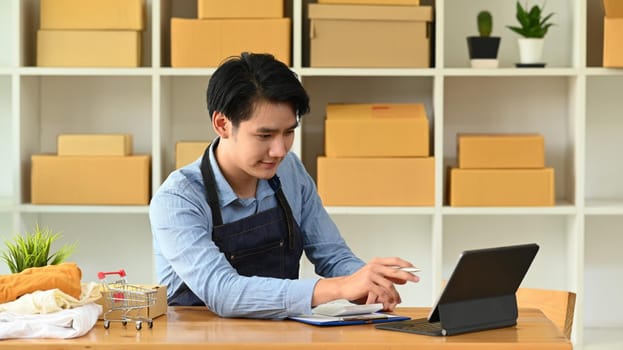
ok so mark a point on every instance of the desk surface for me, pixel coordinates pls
(197, 328)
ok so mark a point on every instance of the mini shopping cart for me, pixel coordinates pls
(126, 302)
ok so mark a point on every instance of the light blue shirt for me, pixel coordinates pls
(181, 223)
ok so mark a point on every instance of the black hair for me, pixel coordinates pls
(242, 81)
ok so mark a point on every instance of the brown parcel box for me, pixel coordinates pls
(187, 152)
(157, 309)
(500, 151)
(92, 14)
(376, 181)
(240, 8)
(613, 33)
(207, 42)
(369, 36)
(501, 187)
(94, 145)
(398, 130)
(88, 48)
(90, 179)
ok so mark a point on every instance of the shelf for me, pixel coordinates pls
(367, 72)
(604, 207)
(607, 338)
(186, 71)
(45, 71)
(511, 72)
(380, 210)
(574, 104)
(84, 209)
(561, 208)
(604, 71)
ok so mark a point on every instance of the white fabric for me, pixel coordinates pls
(52, 300)
(69, 323)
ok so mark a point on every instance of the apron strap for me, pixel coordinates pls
(275, 184)
(210, 187)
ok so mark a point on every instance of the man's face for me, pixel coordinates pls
(260, 143)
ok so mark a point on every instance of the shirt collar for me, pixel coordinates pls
(226, 194)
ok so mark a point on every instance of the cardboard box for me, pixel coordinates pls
(88, 48)
(187, 152)
(207, 42)
(371, 2)
(501, 187)
(398, 130)
(376, 181)
(92, 14)
(500, 151)
(159, 308)
(94, 145)
(90, 180)
(613, 33)
(369, 36)
(240, 8)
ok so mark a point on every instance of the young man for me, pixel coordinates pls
(229, 229)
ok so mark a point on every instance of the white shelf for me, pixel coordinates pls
(380, 210)
(608, 338)
(199, 72)
(604, 207)
(559, 209)
(45, 71)
(368, 72)
(510, 72)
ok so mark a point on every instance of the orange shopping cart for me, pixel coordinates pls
(126, 301)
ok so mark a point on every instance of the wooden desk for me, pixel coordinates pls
(197, 328)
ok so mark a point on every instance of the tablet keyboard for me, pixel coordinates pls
(417, 326)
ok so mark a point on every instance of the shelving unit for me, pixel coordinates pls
(574, 103)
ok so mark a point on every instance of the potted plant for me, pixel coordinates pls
(534, 26)
(34, 249)
(483, 49)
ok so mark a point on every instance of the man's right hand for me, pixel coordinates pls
(373, 283)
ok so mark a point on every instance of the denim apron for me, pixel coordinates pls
(266, 244)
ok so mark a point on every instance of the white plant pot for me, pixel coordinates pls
(531, 50)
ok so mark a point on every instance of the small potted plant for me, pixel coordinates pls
(34, 249)
(534, 26)
(483, 49)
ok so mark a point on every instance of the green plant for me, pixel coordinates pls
(485, 23)
(33, 249)
(533, 23)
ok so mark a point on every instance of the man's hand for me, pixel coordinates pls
(373, 283)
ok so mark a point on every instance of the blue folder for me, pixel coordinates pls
(377, 317)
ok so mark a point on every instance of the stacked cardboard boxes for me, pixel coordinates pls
(94, 33)
(376, 155)
(370, 33)
(229, 27)
(501, 170)
(91, 169)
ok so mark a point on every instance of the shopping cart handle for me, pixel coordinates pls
(101, 275)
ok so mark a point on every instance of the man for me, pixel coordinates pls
(229, 229)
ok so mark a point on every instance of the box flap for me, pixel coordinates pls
(371, 12)
(378, 110)
(613, 8)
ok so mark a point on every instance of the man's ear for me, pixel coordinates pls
(221, 125)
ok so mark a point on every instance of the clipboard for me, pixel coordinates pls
(321, 320)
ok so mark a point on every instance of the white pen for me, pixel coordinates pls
(409, 269)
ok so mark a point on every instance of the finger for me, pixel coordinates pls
(372, 298)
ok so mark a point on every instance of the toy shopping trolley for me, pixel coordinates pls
(126, 302)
